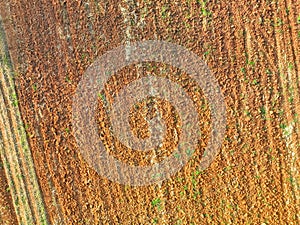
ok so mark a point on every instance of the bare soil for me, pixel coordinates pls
(251, 47)
(7, 213)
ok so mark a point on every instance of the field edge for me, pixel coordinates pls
(14, 149)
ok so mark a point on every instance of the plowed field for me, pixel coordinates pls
(251, 47)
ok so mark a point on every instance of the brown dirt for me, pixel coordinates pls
(253, 50)
(7, 213)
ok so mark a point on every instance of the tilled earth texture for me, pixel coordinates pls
(251, 48)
